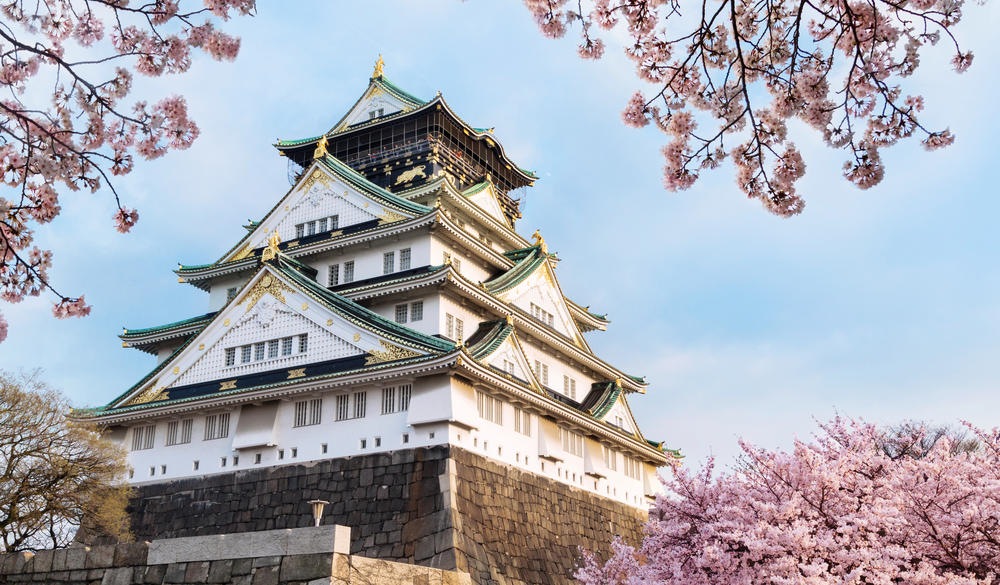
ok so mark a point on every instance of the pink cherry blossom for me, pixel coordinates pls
(857, 504)
(718, 66)
(87, 132)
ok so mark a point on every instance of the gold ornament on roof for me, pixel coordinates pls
(389, 353)
(540, 241)
(320, 151)
(271, 251)
(379, 68)
(244, 253)
(151, 394)
(266, 285)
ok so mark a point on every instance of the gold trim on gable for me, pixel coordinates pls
(388, 353)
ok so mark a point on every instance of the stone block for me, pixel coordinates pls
(196, 572)
(117, 576)
(42, 563)
(424, 549)
(174, 573)
(220, 571)
(131, 554)
(59, 559)
(100, 557)
(242, 566)
(306, 567)
(265, 576)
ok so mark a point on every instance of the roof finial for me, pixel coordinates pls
(271, 251)
(540, 241)
(379, 68)
(320, 151)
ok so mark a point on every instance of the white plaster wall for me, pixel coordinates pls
(469, 319)
(217, 294)
(469, 268)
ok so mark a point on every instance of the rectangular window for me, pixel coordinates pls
(143, 437)
(216, 426)
(272, 348)
(569, 387)
(610, 458)
(310, 228)
(404, 259)
(541, 314)
(572, 443)
(231, 293)
(178, 432)
(633, 468)
(542, 373)
(449, 326)
(300, 230)
(459, 330)
(349, 271)
(508, 366)
(401, 313)
(308, 412)
(320, 225)
(388, 400)
(286, 346)
(303, 342)
(360, 402)
(522, 422)
(396, 398)
(246, 354)
(343, 407)
(230, 356)
(258, 351)
(333, 278)
(490, 408)
(417, 311)
(334, 222)
(388, 263)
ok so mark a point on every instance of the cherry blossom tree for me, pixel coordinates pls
(67, 122)
(732, 74)
(857, 505)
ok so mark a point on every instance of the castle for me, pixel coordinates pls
(385, 340)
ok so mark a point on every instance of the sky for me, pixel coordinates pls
(880, 304)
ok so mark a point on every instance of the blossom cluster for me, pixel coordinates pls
(835, 65)
(857, 505)
(89, 131)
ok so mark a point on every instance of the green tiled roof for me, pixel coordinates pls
(176, 324)
(477, 188)
(488, 338)
(528, 260)
(298, 142)
(601, 398)
(399, 92)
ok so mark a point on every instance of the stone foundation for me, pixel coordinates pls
(439, 507)
(304, 556)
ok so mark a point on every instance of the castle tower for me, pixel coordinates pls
(384, 339)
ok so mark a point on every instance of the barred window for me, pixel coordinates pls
(522, 421)
(459, 330)
(349, 271)
(541, 314)
(286, 346)
(449, 326)
(611, 458)
(303, 342)
(258, 351)
(542, 372)
(179, 432)
(334, 222)
(404, 259)
(417, 311)
(334, 275)
(490, 408)
(143, 437)
(633, 468)
(321, 225)
(396, 398)
(572, 443)
(216, 426)
(272, 348)
(401, 313)
(351, 406)
(246, 354)
(230, 356)
(308, 412)
(569, 387)
(300, 230)
(388, 263)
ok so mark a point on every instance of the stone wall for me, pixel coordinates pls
(304, 556)
(438, 507)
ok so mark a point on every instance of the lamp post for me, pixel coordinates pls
(317, 506)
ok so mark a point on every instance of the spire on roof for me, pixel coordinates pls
(320, 151)
(379, 68)
(540, 241)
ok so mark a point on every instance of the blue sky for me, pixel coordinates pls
(881, 304)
